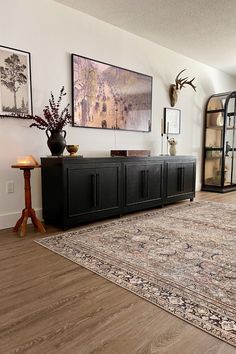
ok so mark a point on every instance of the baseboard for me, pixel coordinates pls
(10, 219)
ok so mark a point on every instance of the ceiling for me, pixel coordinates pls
(204, 30)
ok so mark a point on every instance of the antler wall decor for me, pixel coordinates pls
(179, 84)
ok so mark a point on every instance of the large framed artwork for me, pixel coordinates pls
(15, 83)
(109, 97)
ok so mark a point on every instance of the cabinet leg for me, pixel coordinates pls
(191, 199)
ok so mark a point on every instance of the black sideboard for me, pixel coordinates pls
(77, 190)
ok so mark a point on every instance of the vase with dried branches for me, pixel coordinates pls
(53, 122)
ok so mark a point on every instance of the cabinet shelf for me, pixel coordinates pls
(215, 110)
(218, 127)
(208, 148)
(213, 158)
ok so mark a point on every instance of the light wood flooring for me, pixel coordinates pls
(50, 305)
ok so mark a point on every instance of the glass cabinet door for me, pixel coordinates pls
(230, 145)
(220, 143)
(214, 146)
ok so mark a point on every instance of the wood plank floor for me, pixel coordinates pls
(51, 305)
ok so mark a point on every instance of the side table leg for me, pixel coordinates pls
(23, 226)
(19, 222)
(37, 224)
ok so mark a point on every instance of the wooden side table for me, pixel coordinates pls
(28, 211)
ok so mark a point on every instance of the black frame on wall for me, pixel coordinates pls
(16, 86)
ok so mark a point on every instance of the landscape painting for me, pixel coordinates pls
(109, 97)
(15, 83)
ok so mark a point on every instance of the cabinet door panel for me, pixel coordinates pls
(172, 184)
(108, 187)
(143, 183)
(154, 181)
(93, 190)
(180, 178)
(81, 190)
(189, 177)
(135, 178)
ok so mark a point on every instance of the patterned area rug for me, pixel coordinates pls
(182, 259)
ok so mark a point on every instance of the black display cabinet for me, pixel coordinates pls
(219, 155)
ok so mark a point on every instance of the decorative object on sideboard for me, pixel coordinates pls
(172, 142)
(54, 122)
(72, 149)
(179, 84)
(15, 83)
(56, 141)
(133, 153)
(109, 97)
(162, 135)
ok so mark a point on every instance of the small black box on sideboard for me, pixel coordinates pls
(126, 153)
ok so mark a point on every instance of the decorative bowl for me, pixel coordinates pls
(72, 149)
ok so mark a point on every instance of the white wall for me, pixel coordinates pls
(51, 32)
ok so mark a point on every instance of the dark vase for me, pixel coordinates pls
(56, 141)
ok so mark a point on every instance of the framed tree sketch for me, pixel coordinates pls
(172, 120)
(15, 83)
(109, 97)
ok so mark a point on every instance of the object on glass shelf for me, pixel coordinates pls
(208, 154)
(227, 149)
(220, 120)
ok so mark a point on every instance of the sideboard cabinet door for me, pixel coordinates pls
(92, 191)
(180, 180)
(81, 189)
(143, 185)
(108, 179)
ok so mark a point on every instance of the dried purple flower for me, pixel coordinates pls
(53, 120)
